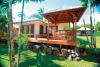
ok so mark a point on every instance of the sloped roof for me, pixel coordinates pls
(63, 16)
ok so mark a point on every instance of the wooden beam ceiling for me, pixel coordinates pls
(63, 16)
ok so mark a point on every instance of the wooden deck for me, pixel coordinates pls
(51, 41)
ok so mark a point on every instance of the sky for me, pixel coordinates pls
(52, 5)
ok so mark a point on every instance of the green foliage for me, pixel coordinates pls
(93, 2)
(41, 11)
(82, 42)
(77, 26)
(88, 26)
(38, 15)
(84, 2)
(36, 59)
(20, 13)
(22, 39)
(3, 20)
(66, 27)
(97, 26)
(4, 5)
(3, 23)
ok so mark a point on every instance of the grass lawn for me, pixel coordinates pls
(98, 33)
(83, 40)
(36, 59)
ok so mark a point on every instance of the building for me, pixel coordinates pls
(32, 27)
(84, 31)
(54, 32)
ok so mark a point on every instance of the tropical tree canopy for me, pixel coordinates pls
(4, 4)
(93, 2)
(38, 15)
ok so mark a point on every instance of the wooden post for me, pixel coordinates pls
(69, 25)
(48, 31)
(75, 33)
(36, 36)
(60, 47)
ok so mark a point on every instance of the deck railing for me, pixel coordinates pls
(59, 35)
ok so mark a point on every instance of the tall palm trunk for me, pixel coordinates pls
(10, 35)
(91, 23)
(94, 33)
(86, 33)
(20, 32)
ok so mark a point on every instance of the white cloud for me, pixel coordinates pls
(29, 9)
(97, 17)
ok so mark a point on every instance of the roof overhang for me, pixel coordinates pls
(65, 16)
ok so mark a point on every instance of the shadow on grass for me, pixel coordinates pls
(41, 60)
(91, 57)
(98, 65)
(38, 59)
(3, 49)
(1, 64)
(82, 42)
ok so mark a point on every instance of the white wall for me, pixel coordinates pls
(36, 23)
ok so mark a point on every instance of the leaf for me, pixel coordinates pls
(23, 39)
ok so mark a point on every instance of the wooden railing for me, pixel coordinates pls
(69, 35)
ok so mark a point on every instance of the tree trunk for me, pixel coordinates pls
(20, 32)
(10, 35)
(94, 34)
(19, 50)
(91, 23)
(86, 33)
(22, 16)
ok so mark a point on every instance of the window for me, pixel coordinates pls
(32, 28)
(23, 30)
(27, 29)
(41, 29)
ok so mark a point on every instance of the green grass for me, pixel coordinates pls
(98, 41)
(98, 33)
(36, 59)
(4, 57)
(33, 59)
(82, 40)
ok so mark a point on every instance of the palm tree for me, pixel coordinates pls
(22, 14)
(6, 9)
(91, 4)
(38, 15)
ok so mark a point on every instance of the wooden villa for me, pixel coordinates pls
(53, 32)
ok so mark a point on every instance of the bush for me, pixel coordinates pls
(23, 39)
